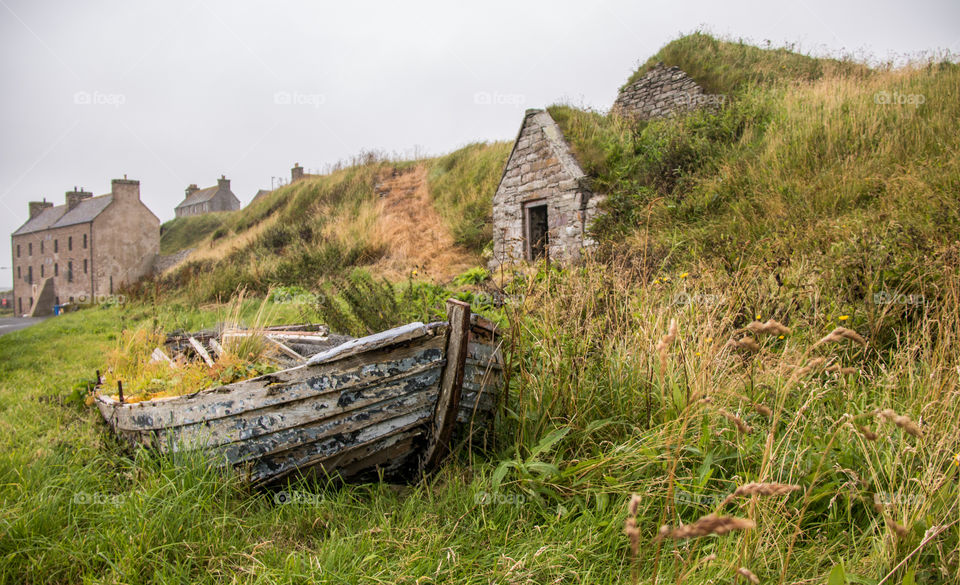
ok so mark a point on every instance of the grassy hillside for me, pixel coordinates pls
(431, 216)
(823, 172)
(186, 232)
(724, 66)
(829, 433)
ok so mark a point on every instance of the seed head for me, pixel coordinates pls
(771, 327)
(903, 422)
(705, 526)
(736, 420)
(748, 575)
(762, 489)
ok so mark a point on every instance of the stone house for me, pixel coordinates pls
(543, 206)
(663, 91)
(83, 249)
(199, 201)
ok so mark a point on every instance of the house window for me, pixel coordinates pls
(20, 305)
(29, 274)
(84, 241)
(537, 230)
(30, 249)
(56, 246)
(69, 243)
(111, 284)
(56, 300)
(41, 246)
(56, 270)
(69, 271)
(41, 271)
(84, 265)
(18, 250)
(18, 272)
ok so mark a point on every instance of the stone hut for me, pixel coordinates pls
(84, 249)
(543, 205)
(663, 91)
(199, 201)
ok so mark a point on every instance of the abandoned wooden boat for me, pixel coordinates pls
(383, 404)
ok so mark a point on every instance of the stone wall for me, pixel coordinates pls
(663, 91)
(542, 170)
(168, 261)
(126, 240)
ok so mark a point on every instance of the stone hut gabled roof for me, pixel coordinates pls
(60, 216)
(557, 143)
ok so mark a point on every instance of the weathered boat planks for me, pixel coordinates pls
(387, 403)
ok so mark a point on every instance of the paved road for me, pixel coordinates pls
(8, 324)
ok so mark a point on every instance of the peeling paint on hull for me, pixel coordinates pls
(363, 412)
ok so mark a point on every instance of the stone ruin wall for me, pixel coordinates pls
(663, 91)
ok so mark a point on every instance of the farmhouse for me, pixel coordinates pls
(82, 249)
(199, 201)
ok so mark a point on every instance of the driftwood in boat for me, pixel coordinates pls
(384, 404)
(158, 355)
(197, 347)
(285, 350)
(216, 347)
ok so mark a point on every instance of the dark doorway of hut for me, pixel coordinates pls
(538, 235)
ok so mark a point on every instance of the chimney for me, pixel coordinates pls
(296, 173)
(125, 189)
(75, 197)
(36, 207)
(191, 189)
(223, 183)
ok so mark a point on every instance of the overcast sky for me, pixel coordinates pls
(173, 93)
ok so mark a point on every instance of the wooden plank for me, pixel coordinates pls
(200, 351)
(281, 387)
(159, 355)
(371, 342)
(216, 347)
(294, 338)
(256, 423)
(316, 461)
(341, 427)
(451, 385)
(285, 350)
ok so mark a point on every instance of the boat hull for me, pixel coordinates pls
(368, 408)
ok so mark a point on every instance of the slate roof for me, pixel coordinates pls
(58, 216)
(200, 196)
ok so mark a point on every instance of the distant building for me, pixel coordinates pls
(296, 174)
(83, 249)
(199, 201)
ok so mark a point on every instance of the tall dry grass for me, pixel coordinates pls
(662, 406)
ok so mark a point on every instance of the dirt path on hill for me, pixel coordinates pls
(416, 236)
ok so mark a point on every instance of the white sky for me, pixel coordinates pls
(184, 91)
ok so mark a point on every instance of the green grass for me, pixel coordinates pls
(725, 66)
(462, 185)
(187, 232)
(804, 201)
